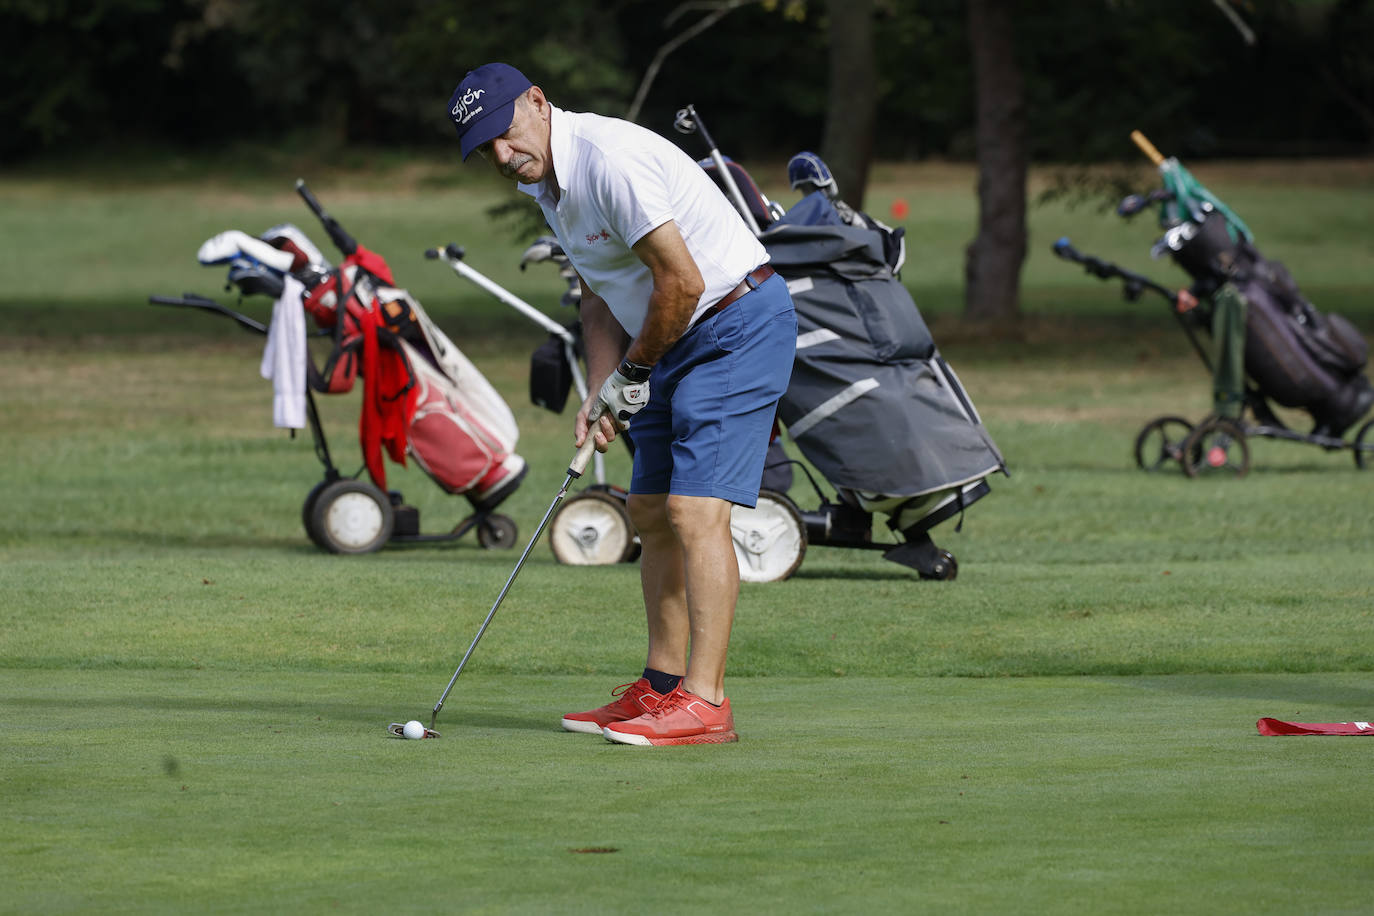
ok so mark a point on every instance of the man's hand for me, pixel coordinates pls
(623, 398)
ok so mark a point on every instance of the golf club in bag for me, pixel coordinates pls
(1268, 343)
(421, 396)
(872, 404)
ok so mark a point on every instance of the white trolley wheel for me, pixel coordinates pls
(592, 529)
(770, 539)
(352, 516)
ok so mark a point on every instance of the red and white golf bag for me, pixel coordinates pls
(421, 395)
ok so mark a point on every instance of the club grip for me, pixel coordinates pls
(1147, 147)
(337, 234)
(584, 453)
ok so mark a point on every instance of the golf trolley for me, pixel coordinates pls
(1216, 444)
(592, 527)
(466, 447)
(1268, 342)
(872, 405)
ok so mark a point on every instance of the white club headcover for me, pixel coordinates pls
(291, 232)
(232, 244)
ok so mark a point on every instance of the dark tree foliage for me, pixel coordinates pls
(81, 75)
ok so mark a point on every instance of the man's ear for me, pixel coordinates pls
(539, 101)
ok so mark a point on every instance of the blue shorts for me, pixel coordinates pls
(712, 400)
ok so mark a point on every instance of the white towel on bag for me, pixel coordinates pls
(283, 358)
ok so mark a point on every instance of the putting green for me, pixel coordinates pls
(157, 790)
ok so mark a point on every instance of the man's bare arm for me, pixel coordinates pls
(677, 288)
(605, 342)
(603, 337)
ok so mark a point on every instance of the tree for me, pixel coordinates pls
(992, 263)
(847, 145)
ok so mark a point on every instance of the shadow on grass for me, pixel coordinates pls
(273, 711)
(1273, 688)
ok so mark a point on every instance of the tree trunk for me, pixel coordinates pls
(992, 264)
(852, 102)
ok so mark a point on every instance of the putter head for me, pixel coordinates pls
(398, 730)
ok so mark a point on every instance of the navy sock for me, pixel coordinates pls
(661, 681)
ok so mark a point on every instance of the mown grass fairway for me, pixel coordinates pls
(193, 698)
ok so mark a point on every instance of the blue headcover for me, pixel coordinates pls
(808, 169)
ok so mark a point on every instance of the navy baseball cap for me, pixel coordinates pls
(483, 105)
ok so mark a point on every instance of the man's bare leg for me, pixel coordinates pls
(691, 585)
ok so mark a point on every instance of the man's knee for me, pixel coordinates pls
(697, 515)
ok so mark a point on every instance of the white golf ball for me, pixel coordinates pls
(413, 730)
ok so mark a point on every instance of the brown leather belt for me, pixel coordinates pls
(751, 281)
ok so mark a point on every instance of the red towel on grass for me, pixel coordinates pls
(1279, 727)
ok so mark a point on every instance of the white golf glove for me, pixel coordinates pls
(624, 398)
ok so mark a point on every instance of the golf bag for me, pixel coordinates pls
(421, 395)
(1296, 355)
(871, 404)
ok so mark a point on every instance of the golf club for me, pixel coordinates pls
(689, 122)
(575, 469)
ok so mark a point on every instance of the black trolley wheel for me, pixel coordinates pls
(1363, 448)
(308, 512)
(496, 532)
(945, 567)
(1161, 440)
(1216, 445)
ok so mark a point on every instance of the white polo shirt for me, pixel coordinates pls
(616, 182)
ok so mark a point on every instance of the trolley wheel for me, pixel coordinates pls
(592, 529)
(944, 568)
(1161, 440)
(770, 539)
(352, 516)
(1363, 448)
(496, 532)
(308, 513)
(1216, 445)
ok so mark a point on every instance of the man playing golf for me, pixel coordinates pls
(689, 332)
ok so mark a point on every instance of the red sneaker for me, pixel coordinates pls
(682, 718)
(633, 699)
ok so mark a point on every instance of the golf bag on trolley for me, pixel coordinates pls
(872, 404)
(1296, 355)
(421, 397)
(1267, 341)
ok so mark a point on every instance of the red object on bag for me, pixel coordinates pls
(1268, 726)
(387, 406)
(371, 262)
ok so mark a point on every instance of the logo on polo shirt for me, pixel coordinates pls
(460, 110)
(595, 237)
